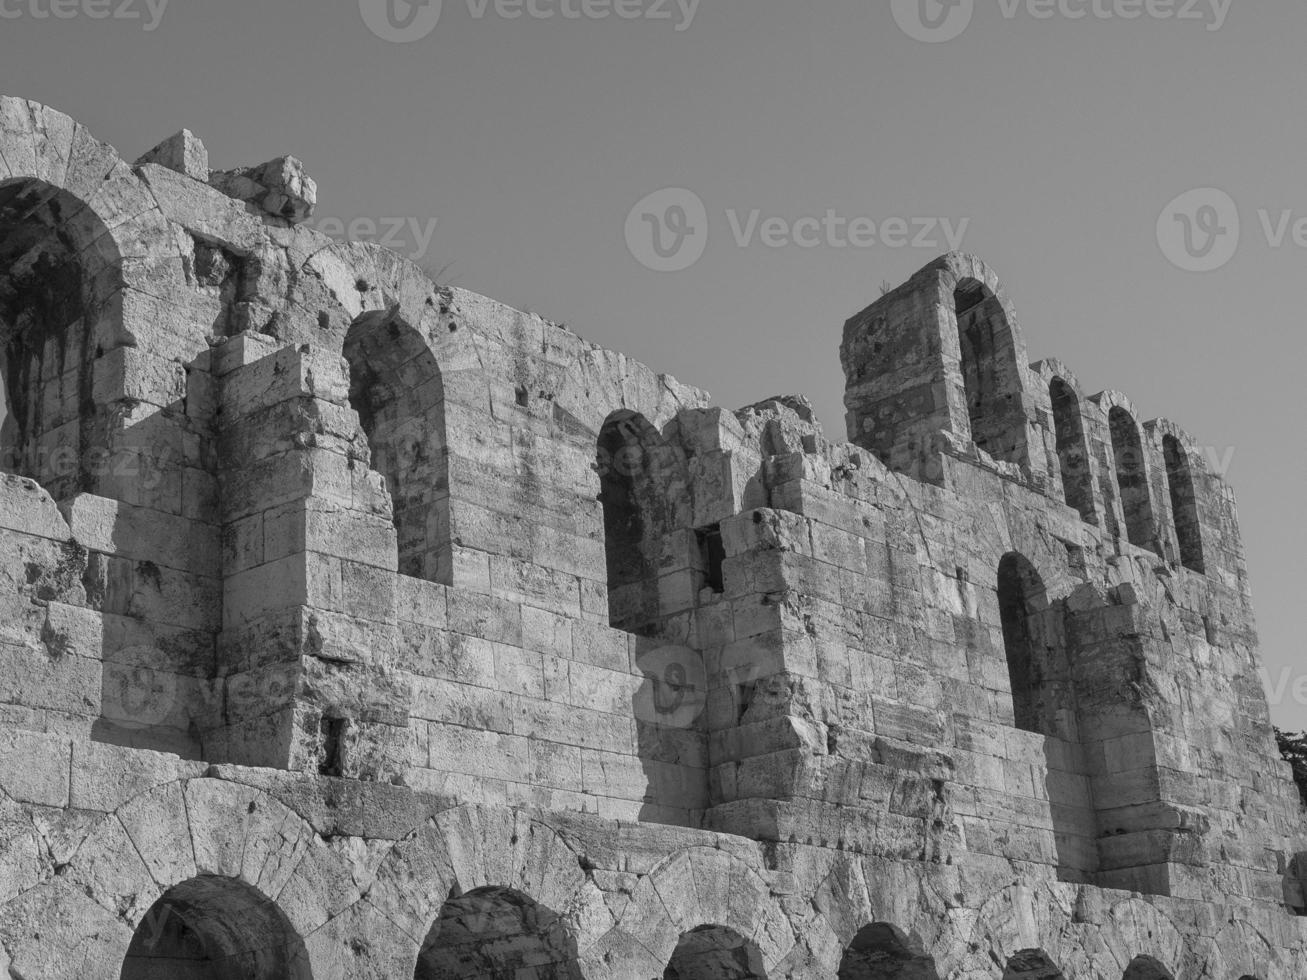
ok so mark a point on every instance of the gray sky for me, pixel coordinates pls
(528, 140)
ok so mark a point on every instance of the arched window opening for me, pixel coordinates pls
(989, 372)
(1184, 504)
(397, 390)
(1146, 968)
(882, 952)
(1072, 449)
(58, 271)
(1022, 600)
(1132, 478)
(497, 934)
(715, 953)
(640, 480)
(1032, 964)
(215, 929)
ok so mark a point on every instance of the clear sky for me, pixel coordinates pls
(527, 140)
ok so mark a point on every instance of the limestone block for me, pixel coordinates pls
(280, 187)
(182, 153)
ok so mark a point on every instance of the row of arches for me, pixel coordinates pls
(214, 928)
(992, 385)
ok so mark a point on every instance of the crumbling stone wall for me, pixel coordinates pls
(357, 627)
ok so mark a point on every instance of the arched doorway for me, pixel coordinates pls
(1032, 964)
(1146, 968)
(212, 928)
(882, 952)
(497, 934)
(715, 953)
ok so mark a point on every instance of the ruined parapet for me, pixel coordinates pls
(359, 626)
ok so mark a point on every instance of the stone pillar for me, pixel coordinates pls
(306, 657)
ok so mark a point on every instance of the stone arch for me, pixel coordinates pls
(61, 276)
(714, 952)
(1072, 448)
(497, 934)
(236, 840)
(211, 928)
(882, 951)
(1242, 949)
(1031, 964)
(983, 345)
(695, 887)
(463, 851)
(1024, 924)
(1177, 456)
(87, 257)
(397, 389)
(1137, 933)
(643, 482)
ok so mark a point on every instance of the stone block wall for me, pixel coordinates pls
(358, 627)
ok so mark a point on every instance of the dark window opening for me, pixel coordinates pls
(333, 732)
(212, 928)
(1020, 598)
(990, 375)
(715, 953)
(1146, 968)
(1132, 478)
(882, 952)
(713, 555)
(1072, 449)
(497, 934)
(1184, 504)
(398, 392)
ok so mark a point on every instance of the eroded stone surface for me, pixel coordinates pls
(352, 626)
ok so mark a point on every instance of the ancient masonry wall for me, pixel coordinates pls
(352, 626)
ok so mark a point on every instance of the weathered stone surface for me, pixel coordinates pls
(356, 627)
(279, 187)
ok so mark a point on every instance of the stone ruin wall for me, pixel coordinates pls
(357, 627)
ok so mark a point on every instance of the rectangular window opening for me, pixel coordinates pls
(713, 555)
